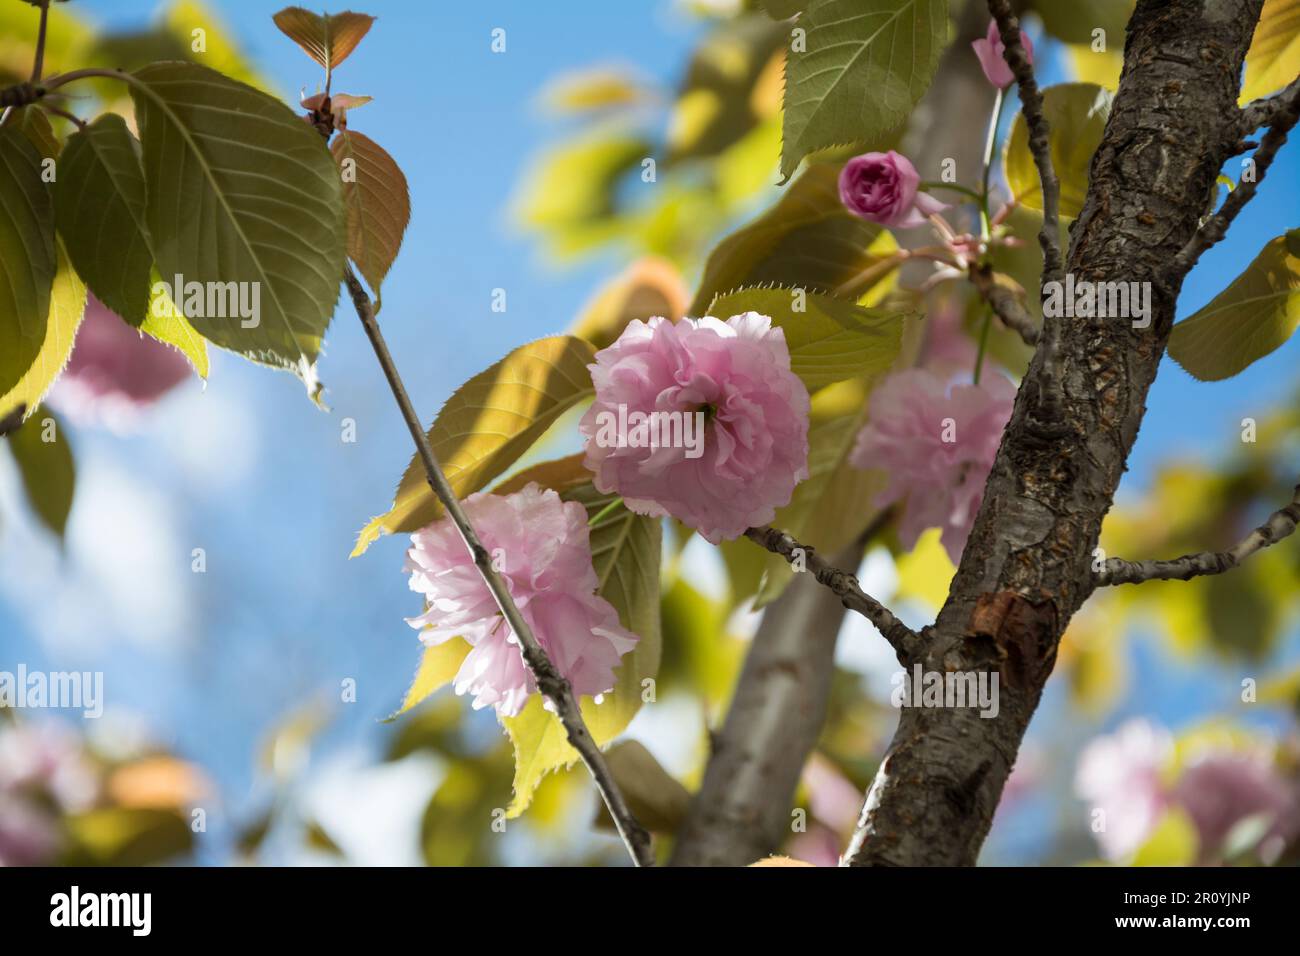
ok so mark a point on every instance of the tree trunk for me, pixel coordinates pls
(1027, 567)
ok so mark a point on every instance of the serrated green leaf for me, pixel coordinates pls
(864, 64)
(46, 468)
(438, 665)
(99, 204)
(164, 322)
(67, 306)
(241, 190)
(327, 39)
(378, 204)
(1273, 59)
(830, 340)
(1252, 317)
(487, 424)
(27, 251)
(807, 240)
(1077, 114)
(625, 550)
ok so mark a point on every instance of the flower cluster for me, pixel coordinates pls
(541, 547)
(937, 446)
(736, 375)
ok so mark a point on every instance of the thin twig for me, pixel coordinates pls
(1004, 303)
(69, 116)
(903, 639)
(1283, 118)
(1280, 524)
(1263, 111)
(549, 680)
(1031, 100)
(39, 65)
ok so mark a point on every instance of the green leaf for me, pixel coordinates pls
(164, 322)
(27, 251)
(46, 468)
(126, 836)
(807, 240)
(487, 424)
(1252, 317)
(1074, 22)
(783, 9)
(830, 340)
(438, 665)
(241, 190)
(36, 127)
(1174, 841)
(99, 203)
(656, 798)
(67, 305)
(625, 551)
(378, 204)
(1077, 114)
(328, 40)
(864, 65)
(1273, 59)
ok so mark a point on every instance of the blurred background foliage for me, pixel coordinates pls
(645, 177)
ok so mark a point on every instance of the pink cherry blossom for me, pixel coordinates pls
(751, 430)
(541, 546)
(992, 56)
(937, 447)
(1120, 774)
(1220, 789)
(884, 188)
(115, 371)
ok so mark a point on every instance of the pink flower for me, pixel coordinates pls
(730, 441)
(115, 371)
(1220, 789)
(992, 56)
(883, 188)
(541, 546)
(937, 447)
(1120, 774)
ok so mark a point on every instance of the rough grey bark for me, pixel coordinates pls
(742, 810)
(1027, 566)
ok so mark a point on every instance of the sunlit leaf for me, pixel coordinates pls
(99, 203)
(1077, 114)
(378, 204)
(656, 798)
(864, 65)
(67, 305)
(438, 665)
(46, 468)
(829, 339)
(1174, 841)
(27, 251)
(164, 322)
(807, 240)
(487, 424)
(1273, 59)
(593, 89)
(119, 836)
(233, 170)
(1101, 67)
(327, 39)
(648, 287)
(1255, 315)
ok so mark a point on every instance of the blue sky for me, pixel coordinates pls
(248, 470)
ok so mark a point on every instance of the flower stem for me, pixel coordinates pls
(983, 346)
(990, 147)
(604, 512)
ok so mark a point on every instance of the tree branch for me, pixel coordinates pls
(1264, 111)
(1004, 303)
(549, 680)
(1282, 118)
(1027, 566)
(901, 638)
(1031, 99)
(1279, 525)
